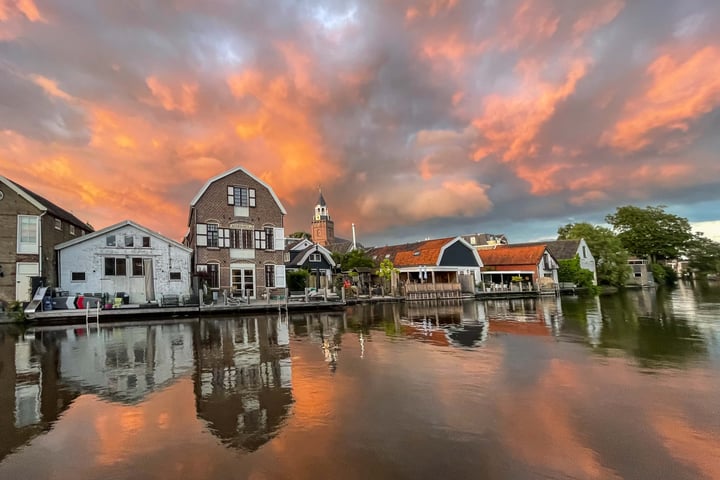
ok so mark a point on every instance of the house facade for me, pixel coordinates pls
(314, 258)
(236, 234)
(532, 263)
(30, 227)
(125, 258)
(438, 261)
(567, 250)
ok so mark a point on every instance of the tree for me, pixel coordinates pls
(353, 259)
(386, 270)
(305, 235)
(703, 254)
(651, 232)
(610, 256)
(571, 271)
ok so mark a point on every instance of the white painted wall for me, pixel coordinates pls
(587, 261)
(89, 256)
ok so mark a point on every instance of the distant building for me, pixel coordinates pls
(532, 263)
(322, 230)
(127, 258)
(236, 234)
(314, 258)
(30, 227)
(567, 250)
(485, 239)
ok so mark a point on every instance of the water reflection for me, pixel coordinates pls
(534, 388)
(243, 384)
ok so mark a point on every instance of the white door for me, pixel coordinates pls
(243, 280)
(23, 283)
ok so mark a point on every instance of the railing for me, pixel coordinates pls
(432, 291)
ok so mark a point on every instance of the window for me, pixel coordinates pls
(270, 275)
(72, 229)
(269, 238)
(260, 243)
(241, 239)
(286, 257)
(58, 224)
(584, 252)
(78, 276)
(28, 234)
(129, 241)
(212, 235)
(242, 198)
(115, 267)
(315, 258)
(146, 242)
(137, 267)
(110, 240)
(175, 276)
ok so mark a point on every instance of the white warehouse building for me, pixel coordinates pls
(125, 258)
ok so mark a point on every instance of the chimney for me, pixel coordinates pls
(354, 246)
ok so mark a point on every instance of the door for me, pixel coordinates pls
(149, 280)
(23, 285)
(243, 280)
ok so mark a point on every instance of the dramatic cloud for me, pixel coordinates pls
(418, 118)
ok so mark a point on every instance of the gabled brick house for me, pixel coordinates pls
(30, 227)
(236, 234)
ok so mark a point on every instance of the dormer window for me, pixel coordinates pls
(242, 198)
(415, 254)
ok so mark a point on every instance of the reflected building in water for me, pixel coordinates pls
(125, 364)
(31, 398)
(243, 380)
(467, 324)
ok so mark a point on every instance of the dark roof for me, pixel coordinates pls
(485, 238)
(321, 200)
(560, 249)
(54, 210)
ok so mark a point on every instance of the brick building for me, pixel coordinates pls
(30, 227)
(236, 234)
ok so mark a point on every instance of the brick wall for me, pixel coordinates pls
(212, 207)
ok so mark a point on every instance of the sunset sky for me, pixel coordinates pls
(418, 118)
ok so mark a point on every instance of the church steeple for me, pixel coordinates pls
(321, 210)
(323, 228)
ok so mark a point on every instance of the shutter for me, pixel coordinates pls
(231, 195)
(201, 230)
(224, 238)
(279, 236)
(280, 276)
(251, 195)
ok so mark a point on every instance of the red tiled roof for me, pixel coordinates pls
(512, 255)
(428, 253)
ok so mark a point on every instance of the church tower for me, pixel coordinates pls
(323, 228)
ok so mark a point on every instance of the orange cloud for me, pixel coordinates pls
(50, 87)
(510, 124)
(182, 99)
(680, 91)
(419, 201)
(598, 17)
(25, 7)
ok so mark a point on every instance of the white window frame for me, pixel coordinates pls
(58, 224)
(72, 229)
(27, 246)
(315, 258)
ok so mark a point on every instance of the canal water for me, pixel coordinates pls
(621, 386)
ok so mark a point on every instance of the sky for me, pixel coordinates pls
(418, 119)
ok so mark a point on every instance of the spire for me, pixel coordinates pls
(321, 200)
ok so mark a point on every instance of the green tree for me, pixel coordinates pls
(610, 256)
(651, 232)
(297, 279)
(703, 254)
(300, 235)
(385, 271)
(353, 259)
(571, 271)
